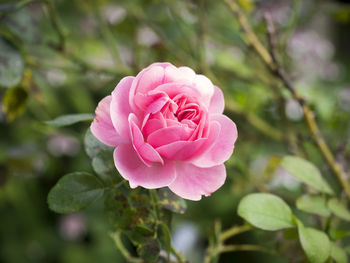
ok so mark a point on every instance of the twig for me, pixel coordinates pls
(54, 21)
(177, 254)
(270, 60)
(235, 230)
(245, 247)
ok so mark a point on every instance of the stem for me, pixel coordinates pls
(232, 248)
(177, 254)
(235, 230)
(54, 21)
(271, 62)
(125, 253)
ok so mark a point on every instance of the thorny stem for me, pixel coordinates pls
(270, 60)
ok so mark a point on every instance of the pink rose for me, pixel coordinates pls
(168, 126)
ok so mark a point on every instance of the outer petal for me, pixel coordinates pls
(205, 87)
(222, 149)
(138, 174)
(192, 182)
(102, 127)
(120, 108)
(217, 102)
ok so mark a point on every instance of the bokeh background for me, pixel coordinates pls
(63, 56)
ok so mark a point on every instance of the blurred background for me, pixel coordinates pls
(63, 56)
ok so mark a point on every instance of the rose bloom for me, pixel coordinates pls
(168, 129)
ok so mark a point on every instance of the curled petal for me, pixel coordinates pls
(102, 127)
(168, 135)
(221, 149)
(217, 102)
(120, 108)
(138, 174)
(181, 150)
(145, 151)
(192, 182)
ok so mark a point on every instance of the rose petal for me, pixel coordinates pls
(222, 149)
(145, 151)
(181, 150)
(205, 87)
(192, 182)
(168, 135)
(138, 174)
(217, 102)
(120, 108)
(102, 127)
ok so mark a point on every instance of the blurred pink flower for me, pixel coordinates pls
(168, 126)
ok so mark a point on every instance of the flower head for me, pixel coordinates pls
(168, 129)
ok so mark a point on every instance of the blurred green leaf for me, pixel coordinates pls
(93, 146)
(171, 201)
(103, 165)
(11, 65)
(313, 204)
(338, 254)
(337, 234)
(164, 237)
(265, 211)
(70, 119)
(315, 243)
(305, 172)
(149, 251)
(14, 102)
(74, 192)
(339, 209)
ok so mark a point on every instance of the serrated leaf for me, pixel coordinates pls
(313, 204)
(339, 209)
(11, 65)
(265, 211)
(338, 254)
(14, 102)
(74, 192)
(93, 147)
(171, 201)
(70, 119)
(305, 172)
(315, 243)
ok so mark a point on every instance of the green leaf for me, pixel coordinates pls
(74, 192)
(149, 251)
(171, 201)
(337, 234)
(164, 237)
(140, 234)
(305, 172)
(70, 119)
(14, 102)
(315, 243)
(339, 209)
(11, 65)
(94, 147)
(265, 211)
(338, 254)
(313, 204)
(103, 165)
(118, 210)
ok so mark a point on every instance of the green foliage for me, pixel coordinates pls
(70, 119)
(14, 102)
(171, 201)
(339, 209)
(74, 192)
(11, 65)
(266, 211)
(313, 204)
(315, 244)
(305, 172)
(338, 254)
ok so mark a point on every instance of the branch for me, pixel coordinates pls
(270, 60)
(125, 253)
